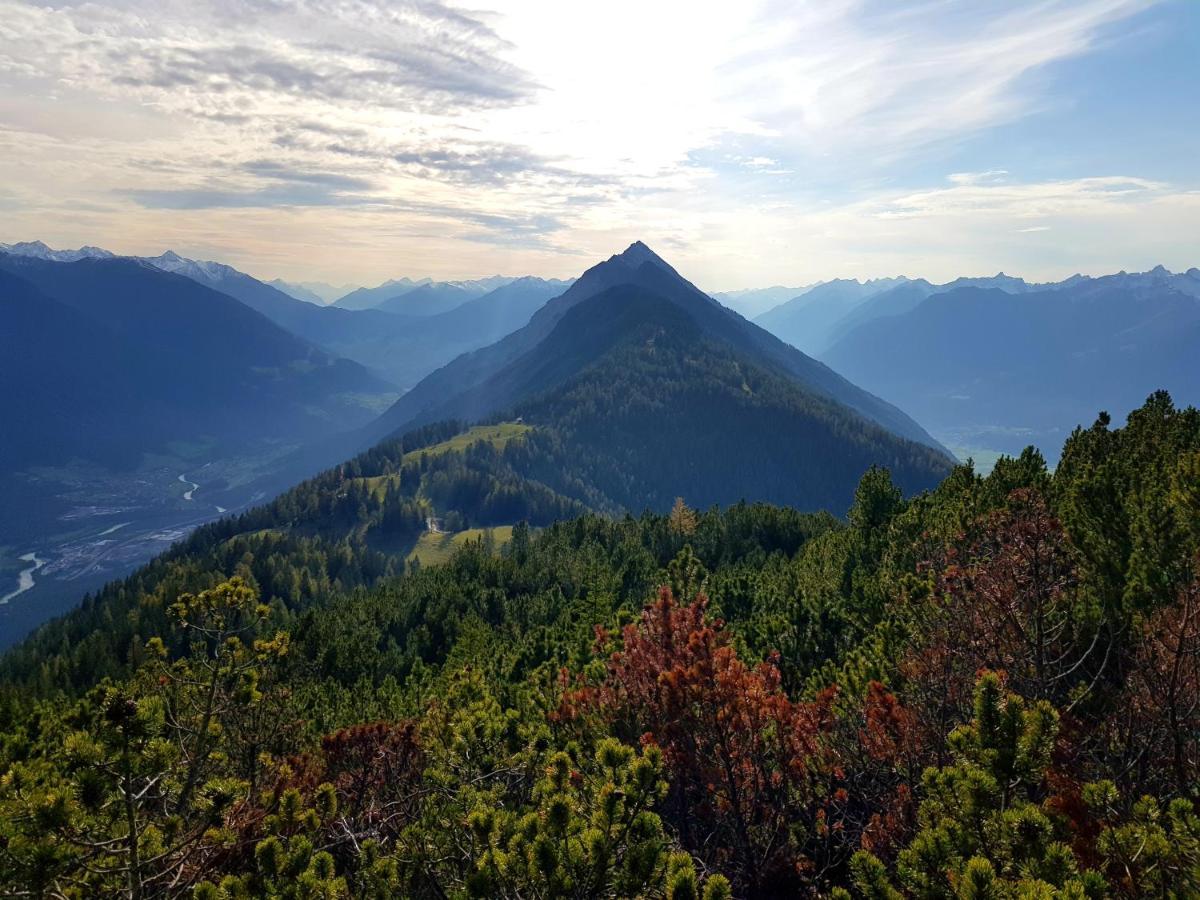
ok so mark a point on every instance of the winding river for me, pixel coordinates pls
(187, 495)
(25, 579)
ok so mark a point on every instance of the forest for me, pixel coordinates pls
(990, 689)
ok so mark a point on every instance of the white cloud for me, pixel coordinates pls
(418, 137)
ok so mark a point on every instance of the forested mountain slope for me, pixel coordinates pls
(991, 684)
(464, 388)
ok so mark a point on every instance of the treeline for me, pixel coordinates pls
(988, 690)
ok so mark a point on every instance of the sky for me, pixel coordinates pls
(750, 143)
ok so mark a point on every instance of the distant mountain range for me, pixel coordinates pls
(806, 321)
(753, 302)
(441, 296)
(317, 292)
(408, 337)
(39, 250)
(997, 364)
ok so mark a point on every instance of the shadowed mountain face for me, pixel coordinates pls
(996, 370)
(73, 387)
(229, 371)
(403, 340)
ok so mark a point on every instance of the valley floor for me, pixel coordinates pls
(82, 525)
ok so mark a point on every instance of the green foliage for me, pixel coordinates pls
(280, 708)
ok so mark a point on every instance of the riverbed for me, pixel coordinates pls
(25, 580)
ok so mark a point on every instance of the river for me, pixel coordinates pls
(25, 579)
(187, 495)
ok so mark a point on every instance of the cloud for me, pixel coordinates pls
(990, 176)
(896, 77)
(272, 169)
(982, 198)
(774, 133)
(235, 59)
(275, 196)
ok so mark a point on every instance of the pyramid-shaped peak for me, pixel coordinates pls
(637, 253)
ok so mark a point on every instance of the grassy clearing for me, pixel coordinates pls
(434, 549)
(379, 484)
(496, 435)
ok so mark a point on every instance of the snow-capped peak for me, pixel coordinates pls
(40, 250)
(202, 270)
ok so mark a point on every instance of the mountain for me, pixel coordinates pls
(318, 292)
(76, 387)
(399, 348)
(407, 348)
(39, 250)
(147, 403)
(368, 298)
(231, 371)
(894, 301)
(635, 300)
(296, 291)
(806, 321)
(371, 298)
(904, 297)
(993, 370)
(752, 302)
(1001, 282)
(429, 299)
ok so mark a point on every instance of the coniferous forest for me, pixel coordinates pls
(989, 689)
(382, 517)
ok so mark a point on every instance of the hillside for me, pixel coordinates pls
(706, 678)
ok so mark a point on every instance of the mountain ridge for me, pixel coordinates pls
(639, 265)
